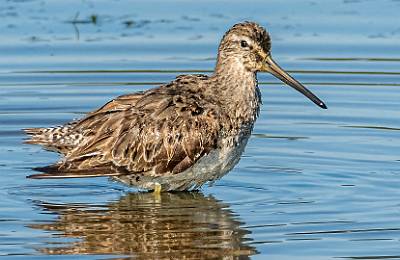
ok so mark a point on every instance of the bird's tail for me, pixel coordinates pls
(43, 136)
(56, 138)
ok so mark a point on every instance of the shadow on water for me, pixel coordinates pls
(171, 225)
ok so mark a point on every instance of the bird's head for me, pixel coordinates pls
(248, 45)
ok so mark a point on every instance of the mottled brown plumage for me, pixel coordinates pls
(178, 135)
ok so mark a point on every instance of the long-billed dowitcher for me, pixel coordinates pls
(178, 136)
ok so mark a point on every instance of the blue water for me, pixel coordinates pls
(312, 184)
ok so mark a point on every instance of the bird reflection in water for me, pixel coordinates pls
(171, 225)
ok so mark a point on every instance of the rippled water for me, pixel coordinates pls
(312, 184)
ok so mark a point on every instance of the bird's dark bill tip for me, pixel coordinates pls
(322, 105)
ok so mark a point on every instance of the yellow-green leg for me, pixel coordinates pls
(157, 188)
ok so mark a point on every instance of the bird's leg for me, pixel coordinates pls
(157, 188)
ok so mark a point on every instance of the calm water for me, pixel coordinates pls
(313, 184)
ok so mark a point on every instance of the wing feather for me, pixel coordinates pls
(152, 133)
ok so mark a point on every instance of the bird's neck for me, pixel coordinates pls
(237, 89)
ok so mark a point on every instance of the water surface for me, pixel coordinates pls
(312, 184)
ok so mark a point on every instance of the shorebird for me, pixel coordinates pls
(177, 136)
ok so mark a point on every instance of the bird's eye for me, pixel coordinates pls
(244, 44)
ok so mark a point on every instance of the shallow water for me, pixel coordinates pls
(312, 184)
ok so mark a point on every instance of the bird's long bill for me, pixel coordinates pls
(273, 68)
